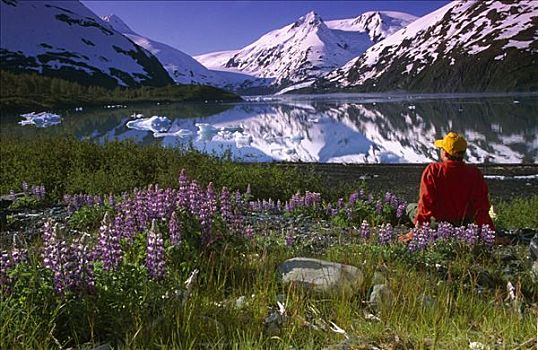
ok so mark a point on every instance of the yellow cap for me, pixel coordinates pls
(453, 143)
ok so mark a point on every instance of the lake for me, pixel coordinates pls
(342, 128)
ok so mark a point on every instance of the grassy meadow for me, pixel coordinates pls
(146, 258)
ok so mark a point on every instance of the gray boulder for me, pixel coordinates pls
(321, 276)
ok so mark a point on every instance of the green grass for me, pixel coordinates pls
(67, 165)
(517, 213)
(135, 313)
(435, 303)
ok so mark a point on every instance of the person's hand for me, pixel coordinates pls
(406, 237)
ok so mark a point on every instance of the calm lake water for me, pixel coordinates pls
(331, 128)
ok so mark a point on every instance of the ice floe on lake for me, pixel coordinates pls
(507, 177)
(155, 124)
(41, 120)
(178, 133)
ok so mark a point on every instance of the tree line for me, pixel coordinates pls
(31, 90)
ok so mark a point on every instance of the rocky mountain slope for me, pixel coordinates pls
(66, 40)
(489, 45)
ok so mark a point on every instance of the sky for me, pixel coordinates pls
(197, 27)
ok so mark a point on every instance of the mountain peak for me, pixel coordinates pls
(310, 19)
(117, 24)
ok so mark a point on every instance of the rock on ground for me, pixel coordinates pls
(321, 276)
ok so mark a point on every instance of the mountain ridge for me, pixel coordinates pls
(301, 51)
(469, 46)
(64, 39)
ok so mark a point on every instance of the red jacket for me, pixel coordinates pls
(455, 192)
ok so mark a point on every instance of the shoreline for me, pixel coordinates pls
(404, 179)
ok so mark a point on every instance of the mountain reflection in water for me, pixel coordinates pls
(497, 129)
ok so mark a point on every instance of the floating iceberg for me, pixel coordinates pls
(137, 116)
(155, 124)
(179, 133)
(41, 120)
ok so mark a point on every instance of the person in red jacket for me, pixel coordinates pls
(452, 190)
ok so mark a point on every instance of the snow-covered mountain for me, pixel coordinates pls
(377, 24)
(485, 45)
(182, 68)
(65, 39)
(308, 48)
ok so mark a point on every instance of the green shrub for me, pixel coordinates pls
(519, 212)
(67, 165)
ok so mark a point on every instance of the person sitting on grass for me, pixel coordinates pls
(451, 190)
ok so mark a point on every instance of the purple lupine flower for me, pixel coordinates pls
(370, 199)
(155, 261)
(183, 192)
(111, 200)
(385, 234)
(139, 210)
(388, 197)
(9, 261)
(349, 214)
(471, 234)
(19, 255)
(54, 251)
(211, 198)
(445, 230)
(237, 220)
(353, 198)
(419, 240)
(394, 201)
(84, 278)
(205, 222)
(458, 233)
(97, 200)
(238, 200)
(109, 248)
(226, 206)
(24, 187)
(249, 232)
(129, 225)
(36, 191)
(400, 210)
(487, 235)
(290, 240)
(6, 264)
(364, 230)
(49, 253)
(195, 198)
(174, 230)
(379, 207)
(312, 199)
